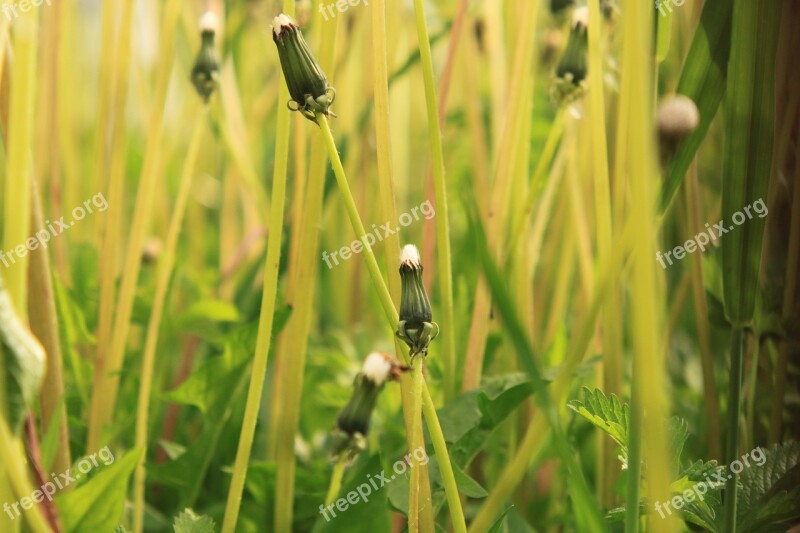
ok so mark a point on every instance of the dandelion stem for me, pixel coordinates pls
(336, 480)
(162, 285)
(416, 443)
(390, 311)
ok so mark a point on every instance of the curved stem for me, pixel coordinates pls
(162, 285)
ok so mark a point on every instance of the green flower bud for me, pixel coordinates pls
(416, 327)
(571, 71)
(205, 73)
(353, 422)
(307, 84)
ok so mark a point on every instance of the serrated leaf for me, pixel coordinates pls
(97, 505)
(608, 414)
(769, 497)
(189, 522)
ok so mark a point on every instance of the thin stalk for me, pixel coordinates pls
(789, 302)
(734, 416)
(44, 325)
(294, 339)
(14, 468)
(446, 469)
(388, 307)
(166, 266)
(19, 167)
(710, 398)
(440, 200)
(537, 434)
(336, 480)
(267, 315)
(611, 370)
(648, 402)
(417, 443)
(107, 375)
(110, 232)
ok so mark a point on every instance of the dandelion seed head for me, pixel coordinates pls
(376, 368)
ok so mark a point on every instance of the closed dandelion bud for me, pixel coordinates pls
(676, 118)
(353, 422)
(415, 327)
(205, 72)
(571, 71)
(307, 84)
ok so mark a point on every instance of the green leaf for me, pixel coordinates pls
(608, 414)
(702, 80)
(747, 153)
(189, 522)
(769, 497)
(97, 505)
(468, 420)
(205, 311)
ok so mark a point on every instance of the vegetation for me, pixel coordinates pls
(399, 266)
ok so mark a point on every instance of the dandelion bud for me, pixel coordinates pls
(205, 72)
(677, 116)
(307, 84)
(353, 422)
(416, 327)
(571, 70)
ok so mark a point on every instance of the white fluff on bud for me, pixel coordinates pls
(376, 368)
(209, 22)
(410, 254)
(280, 22)
(580, 17)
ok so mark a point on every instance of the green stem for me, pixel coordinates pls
(386, 301)
(336, 480)
(151, 343)
(632, 492)
(446, 469)
(417, 361)
(107, 376)
(15, 461)
(440, 201)
(734, 416)
(264, 338)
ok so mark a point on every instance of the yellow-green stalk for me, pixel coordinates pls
(647, 432)
(269, 294)
(444, 263)
(107, 376)
(205, 78)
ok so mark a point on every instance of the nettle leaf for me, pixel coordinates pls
(189, 522)
(608, 414)
(769, 497)
(23, 362)
(468, 420)
(97, 505)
